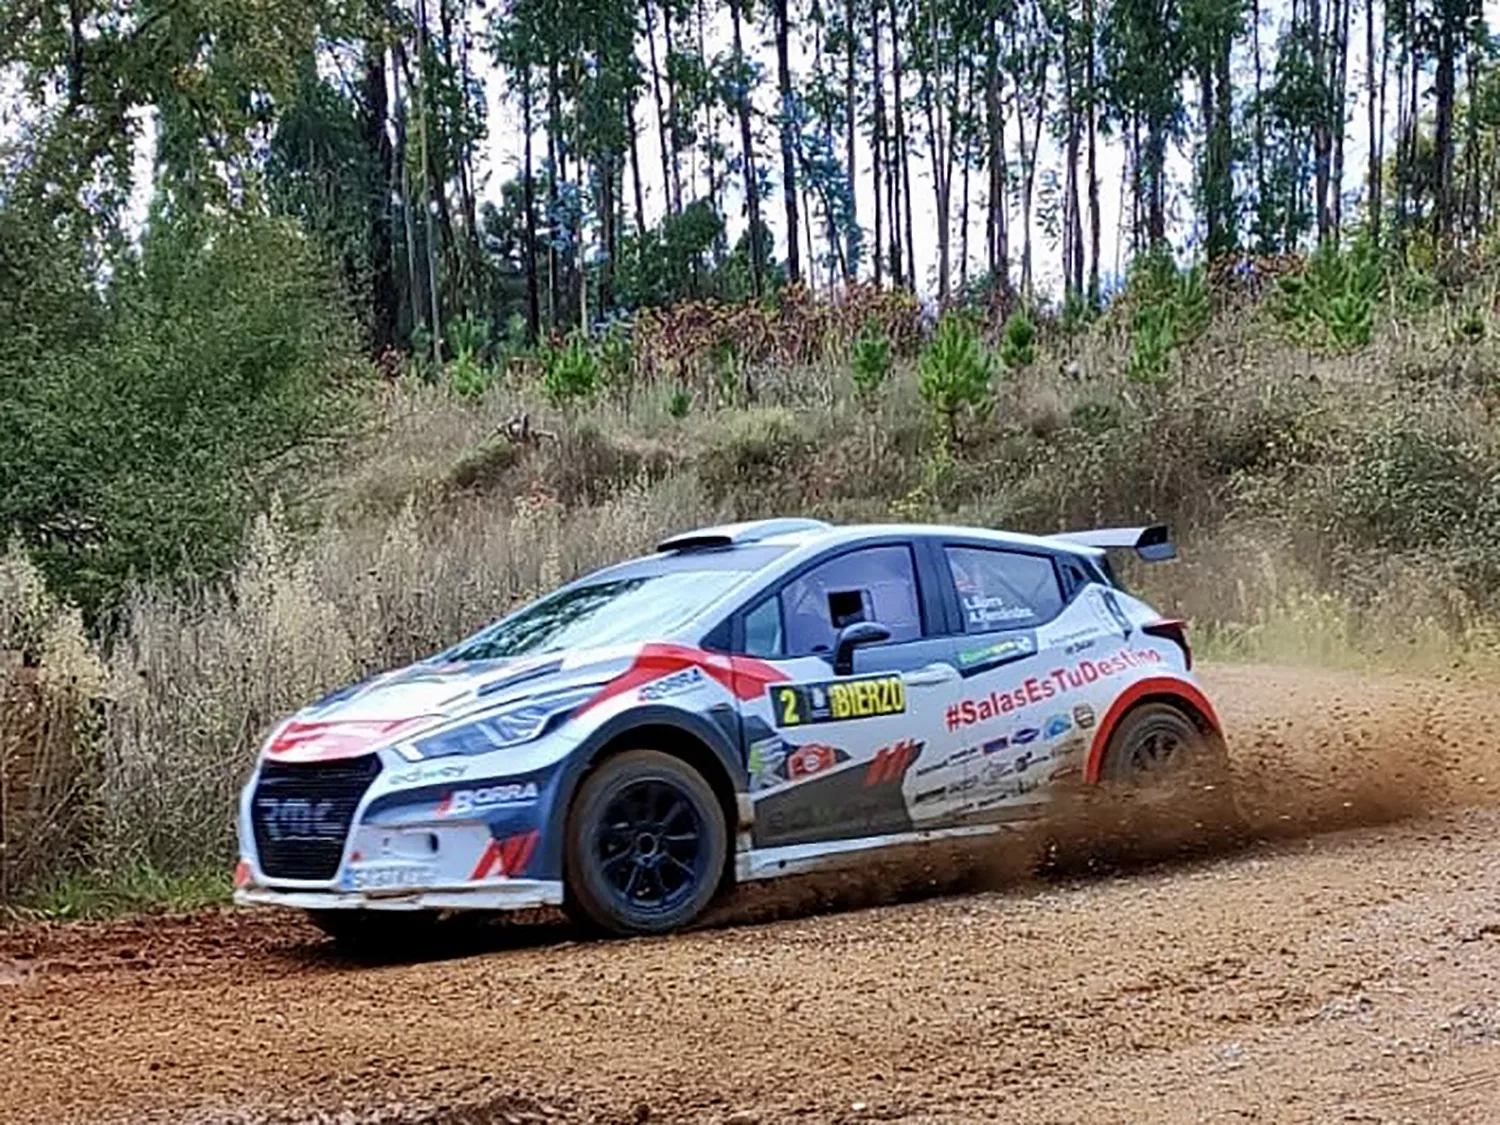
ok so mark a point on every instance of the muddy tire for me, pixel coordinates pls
(1161, 757)
(646, 845)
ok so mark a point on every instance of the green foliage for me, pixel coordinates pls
(140, 887)
(955, 373)
(1408, 485)
(1169, 308)
(1018, 344)
(468, 340)
(1472, 327)
(141, 428)
(617, 359)
(870, 363)
(1095, 418)
(1331, 303)
(680, 403)
(571, 373)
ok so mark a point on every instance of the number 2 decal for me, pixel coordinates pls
(789, 716)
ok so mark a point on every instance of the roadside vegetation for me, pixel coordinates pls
(307, 365)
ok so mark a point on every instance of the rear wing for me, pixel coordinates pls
(1153, 543)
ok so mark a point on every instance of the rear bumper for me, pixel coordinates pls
(511, 894)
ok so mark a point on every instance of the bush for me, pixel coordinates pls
(870, 363)
(955, 371)
(139, 440)
(570, 373)
(1331, 302)
(1018, 345)
(1170, 308)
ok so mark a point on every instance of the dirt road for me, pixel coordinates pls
(1343, 966)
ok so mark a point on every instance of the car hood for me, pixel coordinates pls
(396, 705)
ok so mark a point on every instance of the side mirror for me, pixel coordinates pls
(852, 637)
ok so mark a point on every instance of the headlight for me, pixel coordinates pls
(509, 726)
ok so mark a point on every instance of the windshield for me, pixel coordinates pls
(610, 612)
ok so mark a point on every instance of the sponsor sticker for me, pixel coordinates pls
(424, 774)
(928, 795)
(1083, 715)
(510, 795)
(795, 705)
(1025, 735)
(689, 679)
(1040, 689)
(812, 758)
(1007, 648)
(1057, 726)
(766, 762)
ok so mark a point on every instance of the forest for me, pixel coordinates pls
(330, 330)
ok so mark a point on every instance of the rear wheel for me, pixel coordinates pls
(1161, 754)
(646, 844)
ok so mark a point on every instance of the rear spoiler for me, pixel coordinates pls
(1153, 543)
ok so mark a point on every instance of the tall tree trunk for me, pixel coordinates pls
(788, 140)
(528, 200)
(1323, 126)
(747, 146)
(1374, 119)
(903, 160)
(1259, 126)
(435, 316)
(413, 274)
(377, 141)
(1072, 218)
(1444, 90)
(635, 171)
(556, 287)
(1092, 109)
(877, 144)
(852, 236)
(666, 133)
(997, 236)
(931, 79)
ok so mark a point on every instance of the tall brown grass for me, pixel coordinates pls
(1284, 472)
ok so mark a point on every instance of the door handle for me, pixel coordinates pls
(931, 675)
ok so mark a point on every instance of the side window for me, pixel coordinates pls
(763, 629)
(871, 584)
(1003, 589)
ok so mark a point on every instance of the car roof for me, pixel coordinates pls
(814, 534)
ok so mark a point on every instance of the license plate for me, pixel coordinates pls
(388, 877)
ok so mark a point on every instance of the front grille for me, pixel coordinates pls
(301, 814)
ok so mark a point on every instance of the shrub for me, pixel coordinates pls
(1331, 302)
(1169, 308)
(1018, 345)
(955, 373)
(870, 363)
(570, 373)
(468, 339)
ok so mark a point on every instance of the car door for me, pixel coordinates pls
(831, 756)
(1012, 733)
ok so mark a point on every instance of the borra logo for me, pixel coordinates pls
(514, 795)
(675, 684)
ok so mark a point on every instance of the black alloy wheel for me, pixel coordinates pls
(646, 844)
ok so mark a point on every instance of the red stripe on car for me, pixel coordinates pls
(505, 859)
(1160, 686)
(338, 738)
(745, 676)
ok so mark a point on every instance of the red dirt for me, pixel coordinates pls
(1344, 965)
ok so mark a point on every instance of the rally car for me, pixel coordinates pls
(751, 701)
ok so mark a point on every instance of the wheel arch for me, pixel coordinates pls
(1185, 695)
(692, 739)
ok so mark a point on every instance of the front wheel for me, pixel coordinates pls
(646, 844)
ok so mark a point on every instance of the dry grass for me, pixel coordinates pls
(1258, 452)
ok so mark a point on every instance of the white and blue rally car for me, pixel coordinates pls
(753, 700)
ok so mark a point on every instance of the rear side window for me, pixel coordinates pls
(871, 584)
(1003, 589)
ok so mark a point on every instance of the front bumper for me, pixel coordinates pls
(511, 894)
